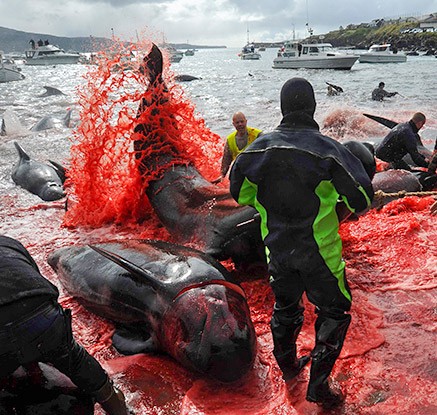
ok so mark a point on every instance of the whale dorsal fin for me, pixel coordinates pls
(384, 121)
(23, 155)
(137, 273)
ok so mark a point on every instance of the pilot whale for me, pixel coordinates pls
(188, 205)
(43, 180)
(164, 297)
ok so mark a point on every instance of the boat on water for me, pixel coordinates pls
(249, 53)
(174, 55)
(189, 52)
(9, 71)
(383, 53)
(296, 55)
(50, 55)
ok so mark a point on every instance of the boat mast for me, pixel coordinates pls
(310, 30)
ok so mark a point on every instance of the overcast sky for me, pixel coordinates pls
(203, 22)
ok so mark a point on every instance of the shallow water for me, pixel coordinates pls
(388, 362)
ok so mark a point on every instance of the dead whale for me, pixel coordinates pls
(189, 206)
(43, 180)
(171, 299)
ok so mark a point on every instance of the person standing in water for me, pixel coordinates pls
(236, 142)
(378, 94)
(294, 177)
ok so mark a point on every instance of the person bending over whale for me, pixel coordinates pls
(294, 177)
(35, 328)
(403, 139)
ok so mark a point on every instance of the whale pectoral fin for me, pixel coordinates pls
(129, 340)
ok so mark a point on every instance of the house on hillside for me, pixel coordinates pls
(430, 23)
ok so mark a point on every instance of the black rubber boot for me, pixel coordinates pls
(111, 399)
(286, 324)
(330, 333)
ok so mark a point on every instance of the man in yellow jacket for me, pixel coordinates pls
(236, 142)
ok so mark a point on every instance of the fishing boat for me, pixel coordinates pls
(174, 55)
(248, 52)
(50, 55)
(383, 53)
(9, 71)
(296, 55)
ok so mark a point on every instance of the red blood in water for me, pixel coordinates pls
(388, 364)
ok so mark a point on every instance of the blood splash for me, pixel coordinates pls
(103, 178)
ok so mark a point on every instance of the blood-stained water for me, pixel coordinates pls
(388, 364)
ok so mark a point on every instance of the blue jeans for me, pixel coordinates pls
(45, 335)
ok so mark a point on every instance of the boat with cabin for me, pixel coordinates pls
(48, 54)
(9, 71)
(249, 53)
(296, 55)
(383, 53)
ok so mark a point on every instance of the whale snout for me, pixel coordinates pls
(211, 331)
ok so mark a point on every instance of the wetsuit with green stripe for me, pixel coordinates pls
(294, 177)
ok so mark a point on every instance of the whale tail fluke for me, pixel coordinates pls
(152, 65)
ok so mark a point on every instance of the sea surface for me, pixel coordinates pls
(388, 363)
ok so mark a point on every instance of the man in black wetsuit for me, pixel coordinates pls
(294, 177)
(35, 328)
(402, 140)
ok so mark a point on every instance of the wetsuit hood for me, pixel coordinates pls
(297, 95)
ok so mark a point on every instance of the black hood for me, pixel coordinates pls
(297, 95)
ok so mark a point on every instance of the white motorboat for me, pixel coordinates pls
(50, 55)
(383, 53)
(296, 55)
(248, 52)
(9, 71)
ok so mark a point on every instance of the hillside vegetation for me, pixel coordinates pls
(404, 36)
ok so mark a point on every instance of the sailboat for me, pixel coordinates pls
(248, 52)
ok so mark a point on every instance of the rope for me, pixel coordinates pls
(380, 198)
(403, 193)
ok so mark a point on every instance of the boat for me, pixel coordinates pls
(174, 55)
(296, 55)
(9, 71)
(382, 53)
(48, 54)
(189, 52)
(248, 52)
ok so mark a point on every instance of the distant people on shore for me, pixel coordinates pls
(236, 142)
(378, 94)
